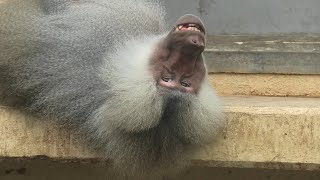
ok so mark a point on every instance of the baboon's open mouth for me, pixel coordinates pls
(188, 27)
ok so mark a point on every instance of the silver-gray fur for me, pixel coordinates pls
(85, 64)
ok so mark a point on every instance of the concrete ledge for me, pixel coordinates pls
(261, 132)
(24, 136)
(42, 169)
(266, 84)
(279, 54)
(268, 132)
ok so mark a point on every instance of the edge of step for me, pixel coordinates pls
(279, 54)
(228, 84)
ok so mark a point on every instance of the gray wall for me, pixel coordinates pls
(251, 16)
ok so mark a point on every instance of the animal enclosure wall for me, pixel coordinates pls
(251, 16)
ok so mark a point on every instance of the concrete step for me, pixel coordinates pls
(278, 54)
(268, 132)
(227, 84)
(261, 132)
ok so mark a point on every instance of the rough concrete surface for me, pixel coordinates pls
(23, 135)
(275, 133)
(266, 84)
(269, 129)
(46, 170)
(279, 54)
(302, 43)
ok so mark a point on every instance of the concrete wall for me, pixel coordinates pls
(251, 16)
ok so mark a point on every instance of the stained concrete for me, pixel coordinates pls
(265, 84)
(277, 54)
(268, 129)
(46, 170)
(265, 132)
